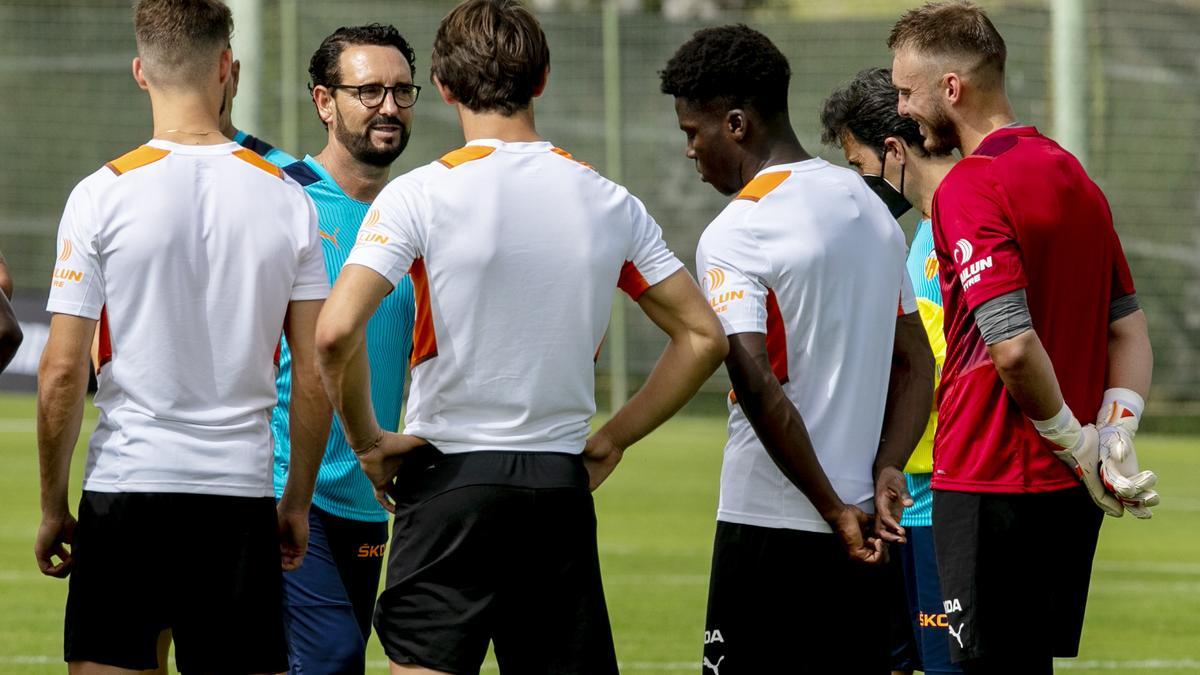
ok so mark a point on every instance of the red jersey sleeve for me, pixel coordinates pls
(1122, 278)
(977, 227)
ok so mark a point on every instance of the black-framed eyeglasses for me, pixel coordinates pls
(372, 95)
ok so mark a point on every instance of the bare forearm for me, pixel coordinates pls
(61, 391)
(909, 398)
(1130, 357)
(781, 430)
(684, 366)
(310, 417)
(347, 378)
(1028, 375)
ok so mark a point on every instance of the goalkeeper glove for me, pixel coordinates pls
(1118, 422)
(1079, 448)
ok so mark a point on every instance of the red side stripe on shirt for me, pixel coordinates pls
(424, 339)
(776, 339)
(631, 281)
(104, 349)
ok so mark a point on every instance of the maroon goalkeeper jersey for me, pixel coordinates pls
(1020, 212)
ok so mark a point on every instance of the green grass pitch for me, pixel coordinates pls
(656, 526)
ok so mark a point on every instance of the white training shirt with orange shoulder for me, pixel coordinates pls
(515, 252)
(808, 255)
(188, 257)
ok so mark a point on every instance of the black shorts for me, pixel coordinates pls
(206, 567)
(501, 547)
(787, 601)
(1015, 571)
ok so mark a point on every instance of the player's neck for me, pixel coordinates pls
(977, 124)
(360, 181)
(930, 172)
(515, 128)
(187, 118)
(778, 147)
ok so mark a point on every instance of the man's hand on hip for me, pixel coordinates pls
(382, 460)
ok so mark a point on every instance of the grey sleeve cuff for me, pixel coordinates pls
(1003, 317)
(1122, 307)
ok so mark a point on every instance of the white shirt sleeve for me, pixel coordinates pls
(908, 298)
(77, 286)
(736, 276)
(648, 260)
(312, 283)
(391, 236)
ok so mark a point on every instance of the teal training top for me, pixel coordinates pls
(264, 149)
(342, 488)
(926, 286)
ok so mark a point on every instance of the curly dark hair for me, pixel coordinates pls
(867, 108)
(323, 67)
(736, 65)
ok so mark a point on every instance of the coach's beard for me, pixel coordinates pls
(360, 146)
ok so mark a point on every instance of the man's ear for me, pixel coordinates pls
(323, 100)
(225, 66)
(737, 124)
(541, 85)
(139, 74)
(446, 94)
(951, 87)
(896, 150)
(236, 73)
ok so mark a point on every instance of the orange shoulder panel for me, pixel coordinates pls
(465, 154)
(135, 159)
(759, 187)
(564, 153)
(254, 159)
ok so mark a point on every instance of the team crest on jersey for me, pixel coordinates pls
(931, 265)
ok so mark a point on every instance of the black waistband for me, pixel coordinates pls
(427, 471)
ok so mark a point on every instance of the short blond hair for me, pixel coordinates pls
(957, 29)
(179, 41)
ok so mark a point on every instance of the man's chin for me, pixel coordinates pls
(381, 155)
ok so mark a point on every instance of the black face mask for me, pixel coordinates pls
(892, 197)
